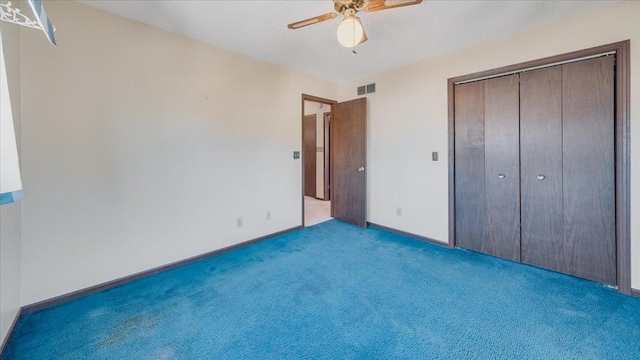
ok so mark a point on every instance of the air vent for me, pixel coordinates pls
(362, 90)
(371, 88)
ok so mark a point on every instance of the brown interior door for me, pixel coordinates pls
(309, 154)
(348, 159)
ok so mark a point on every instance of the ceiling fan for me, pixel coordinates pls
(350, 31)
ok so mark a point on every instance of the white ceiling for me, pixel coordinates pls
(397, 37)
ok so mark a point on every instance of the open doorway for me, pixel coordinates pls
(343, 181)
(316, 143)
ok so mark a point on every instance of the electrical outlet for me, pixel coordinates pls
(269, 215)
(399, 211)
(296, 155)
(239, 222)
(434, 156)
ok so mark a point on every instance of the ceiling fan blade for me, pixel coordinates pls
(377, 5)
(311, 21)
(364, 33)
(364, 37)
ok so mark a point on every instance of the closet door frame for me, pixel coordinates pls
(622, 144)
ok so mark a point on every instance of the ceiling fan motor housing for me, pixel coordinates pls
(342, 6)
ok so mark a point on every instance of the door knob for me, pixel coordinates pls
(540, 177)
(501, 176)
(361, 169)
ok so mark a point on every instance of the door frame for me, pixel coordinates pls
(306, 97)
(622, 142)
(326, 143)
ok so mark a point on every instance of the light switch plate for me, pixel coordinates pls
(296, 154)
(434, 156)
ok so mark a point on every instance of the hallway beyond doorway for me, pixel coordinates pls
(316, 211)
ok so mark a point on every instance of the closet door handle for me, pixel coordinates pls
(540, 177)
(501, 176)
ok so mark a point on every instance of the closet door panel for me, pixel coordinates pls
(541, 168)
(469, 165)
(588, 179)
(502, 168)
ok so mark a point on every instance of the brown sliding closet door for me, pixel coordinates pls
(535, 168)
(502, 168)
(588, 169)
(541, 168)
(487, 176)
(469, 160)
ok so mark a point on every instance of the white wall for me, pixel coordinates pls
(142, 147)
(408, 119)
(10, 213)
(311, 108)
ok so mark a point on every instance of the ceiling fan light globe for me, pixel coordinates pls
(350, 32)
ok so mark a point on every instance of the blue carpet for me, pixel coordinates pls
(336, 291)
